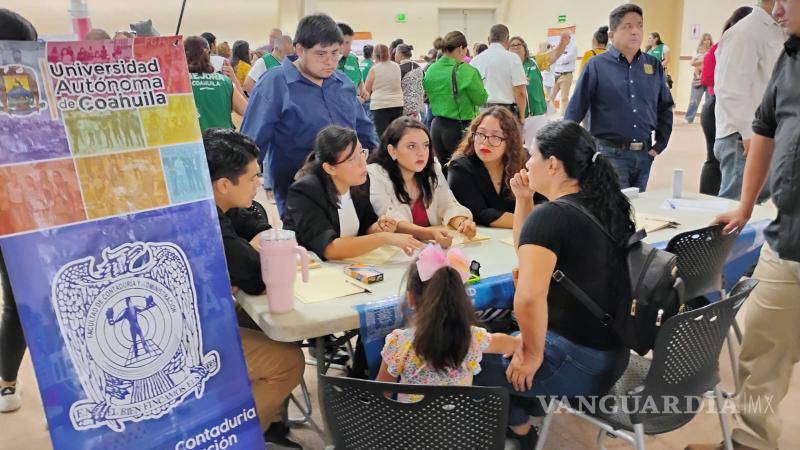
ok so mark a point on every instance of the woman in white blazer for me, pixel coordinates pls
(407, 184)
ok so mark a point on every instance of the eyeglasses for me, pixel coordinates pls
(494, 141)
(356, 157)
(515, 46)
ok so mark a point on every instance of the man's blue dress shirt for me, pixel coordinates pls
(626, 102)
(286, 111)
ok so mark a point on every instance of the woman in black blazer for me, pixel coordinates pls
(328, 207)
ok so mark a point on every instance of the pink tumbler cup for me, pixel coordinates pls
(279, 251)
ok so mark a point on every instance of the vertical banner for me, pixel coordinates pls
(111, 238)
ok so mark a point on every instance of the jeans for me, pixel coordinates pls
(632, 166)
(568, 370)
(730, 153)
(710, 174)
(371, 118)
(694, 102)
(12, 339)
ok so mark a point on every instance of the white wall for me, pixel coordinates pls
(710, 15)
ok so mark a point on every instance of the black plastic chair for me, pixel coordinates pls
(701, 258)
(701, 261)
(358, 415)
(685, 366)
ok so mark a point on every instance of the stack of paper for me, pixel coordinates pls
(327, 283)
(652, 223)
(378, 257)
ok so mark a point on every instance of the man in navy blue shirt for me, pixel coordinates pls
(290, 104)
(626, 95)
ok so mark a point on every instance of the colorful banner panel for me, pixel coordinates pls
(111, 238)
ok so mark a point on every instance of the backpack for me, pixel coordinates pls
(656, 292)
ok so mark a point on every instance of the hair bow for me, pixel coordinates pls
(433, 258)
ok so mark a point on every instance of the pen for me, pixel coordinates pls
(672, 206)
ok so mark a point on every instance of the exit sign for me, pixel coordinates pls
(562, 18)
(401, 18)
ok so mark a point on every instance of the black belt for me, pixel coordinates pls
(635, 146)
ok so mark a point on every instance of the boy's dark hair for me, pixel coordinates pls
(332, 145)
(619, 13)
(209, 37)
(443, 317)
(345, 29)
(317, 29)
(14, 27)
(426, 179)
(498, 33)
(368, 51)
(228, 153)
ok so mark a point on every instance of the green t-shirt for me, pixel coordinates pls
(438, 84)
(213, 93)
(658, 52)
(270, 61)
(349, 66)
(365, 66)
(537, 102)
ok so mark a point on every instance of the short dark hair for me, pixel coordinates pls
(498, 33)
(317, 29)
(368, 51)
(601, 36)
(451, 41)
(404, 49)
(209, 37)
(619, 13)
(345, 29)
(228, 153)
(14, 27)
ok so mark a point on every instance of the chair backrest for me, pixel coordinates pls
(701, 258)
(686, 357)
(359, 415)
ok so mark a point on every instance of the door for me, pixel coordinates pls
(474, 23)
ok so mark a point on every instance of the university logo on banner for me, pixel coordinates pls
(110, 234)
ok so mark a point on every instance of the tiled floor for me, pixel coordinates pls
(26, 428)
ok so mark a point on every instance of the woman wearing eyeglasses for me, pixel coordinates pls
(328, 207)
(407, 185)
(484, 164)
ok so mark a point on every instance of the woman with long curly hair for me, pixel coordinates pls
(489, 156)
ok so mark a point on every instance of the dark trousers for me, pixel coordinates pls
(710, 175)
(446, 134)
(12, 340)
(383, 117)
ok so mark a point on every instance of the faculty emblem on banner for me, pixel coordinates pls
(20, 91)
(132, 329)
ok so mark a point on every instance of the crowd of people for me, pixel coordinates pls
(386, 150)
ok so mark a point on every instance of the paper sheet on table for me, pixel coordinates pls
(685, 204)
(327, 283)
(460, 239)
(508, 241)
(377, 257)
(652, 223)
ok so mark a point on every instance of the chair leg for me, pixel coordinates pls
(548, 418)
(305, 407)
(638, 430)
(601, 437)
(734, 361)
(719, 401)
(737, 330)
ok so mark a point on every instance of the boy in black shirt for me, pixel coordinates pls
(274, 368)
